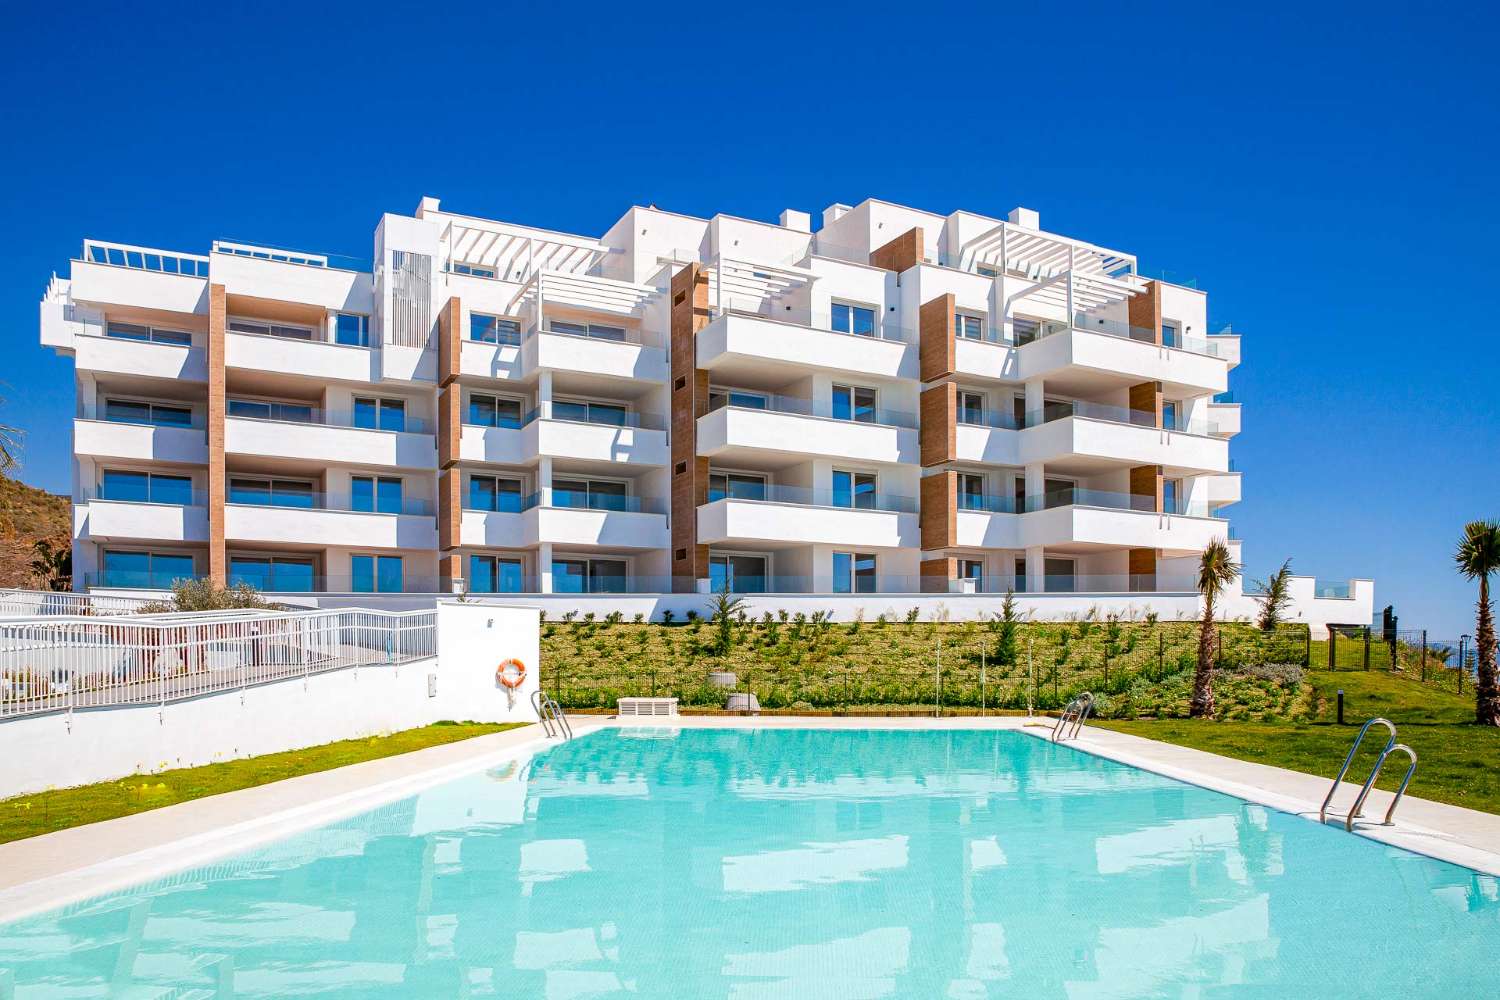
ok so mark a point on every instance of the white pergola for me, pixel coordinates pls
(751, 287)
(516, 254)
(580, 291)
(1068, 274)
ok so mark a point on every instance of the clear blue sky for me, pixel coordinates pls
(1328, 176)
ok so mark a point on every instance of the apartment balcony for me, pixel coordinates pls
(1223, 489)
(796, 429)
(94, 352)
(638, 439)
(566, 519)
(288, 276)
(1109, 435)
(316, 359)
(1082, 519)
(140, 442)
(103, 520)
(623, 358)
(1225, 418)
(748, 349)
(1124, 353)
(115, 274)
(331, 439)
(790, 516)
(330, 522)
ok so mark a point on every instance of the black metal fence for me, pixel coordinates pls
(1448, 663)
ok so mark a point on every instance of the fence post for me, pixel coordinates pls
(1161, 652)
(1367, 647)
(981, 682)
(1307, 649)
(1333, 635)
(1424, 656)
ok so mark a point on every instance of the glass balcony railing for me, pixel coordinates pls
(848, 499)
(166, 493)
(145, 259)
(1058, 410)
(830, 409)
(590, 500)
(296, 413)
(345, 502)
(995, 419)
(1340, 590)
(1146, 503)
(987, 504)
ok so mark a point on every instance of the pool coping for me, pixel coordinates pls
(53, 870)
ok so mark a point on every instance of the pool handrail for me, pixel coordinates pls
(1370, 783)
(1390, 744)
(1074, 714)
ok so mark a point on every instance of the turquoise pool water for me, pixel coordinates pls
(792, 863)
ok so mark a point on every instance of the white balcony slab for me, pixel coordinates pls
(328, 444)
(497, 361)
(1224, 488)
(140, 442)
(731, 431)
(611, 359)
(981, 359)
(118, 520)
(769, 524)
(563, 439)
(613, 529)
(1086, 527)
(1109, 443)
(108, 284)
(1225, 417)
(133, 357)
(1120, 357)
(332, 288)
(399, 363)
(314, 359)
(294, 526)
(976, 529)
(1227, 346)
(741, 348)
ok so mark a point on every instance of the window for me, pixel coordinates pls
(477, 270)
(148, 334)
(352, 330)
(495, 575)
(494, 411)
(272, 492)
(130, 411)
(1171, 496)
(735, 486)
(493, 493)
(986, 270)
(970, 491)
(968, 326)
(494, 330)
(597, 331)
(1018, 410)
(258, 409)
(146, 487)
(263, 328)
(156, 570)
(970, 407)
(1059, 492)
(1060, 578)
(1026, 330)
(739, 574)
(286, 574)
(588, 576)
(854, 403)
(853, 573)
(1169, 415)
(1171, 334)
(590, 494)
(375, 574)
(1020, 571)
(854, 489)
(376, 494)
(614, 414)
(379, 414)
(972, 569)
(719, 397)
(856, 320)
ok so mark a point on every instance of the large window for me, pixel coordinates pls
(1171, 496)
(1169, 415)
(1026, 330)
(970, 407)
(970, 491)
(375, 574)
(853, 573)
(854, 489)
(736, 486)
(148, 334)
(155, 570)
(259, 409)
(272, 492)
(596, 331)
(968, 326)
(591, 412)
(131, 411)
(494, 493)
(495, 575)
(1171, 334)
(972, 569)
(377, 494)
(854, 403)
(476, 270)
(1060, 576)
(486, 329)
(719, 397)
(146, 487)
(739, 574)
(352, 330)
(494, 411)
(379, 414)
(289, 574)
(853, 319)
(588, 576)
(591, 494)
(265, 328)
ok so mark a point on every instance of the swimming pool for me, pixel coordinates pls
(822, 863)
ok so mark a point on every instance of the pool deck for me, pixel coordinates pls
(45, 872)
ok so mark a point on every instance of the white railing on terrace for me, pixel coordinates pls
(61, 664)
(145, 258)
(46, 603)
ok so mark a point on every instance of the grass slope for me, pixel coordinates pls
(44, 812)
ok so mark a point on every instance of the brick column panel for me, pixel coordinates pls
(449, 425)
(1146, 482)
(450, 509)
(937, 572)
(1146, 398)
(937, 434)
(218, 563)
(450, 340)
(689, 401)
(938, 515)
(900, 253)
(1144, 310)
(935, 340)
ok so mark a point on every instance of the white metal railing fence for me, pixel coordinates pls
(56, 664)
(38, 603)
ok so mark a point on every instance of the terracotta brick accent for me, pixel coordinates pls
(935, 352)
(1145, 481)
(938, 432)
(450, 423)
(450, 340)
(450, 508)
(900, 253)
(1146, 398)
(937, 572)
(689, 314)
(218, 563)
(1144, 310)
(939, 509)
(1143, 569)
(450, 567)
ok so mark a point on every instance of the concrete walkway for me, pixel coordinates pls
(57, 868)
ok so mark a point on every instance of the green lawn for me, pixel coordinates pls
(30, 815)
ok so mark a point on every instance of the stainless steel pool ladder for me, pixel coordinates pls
(551, 715)
(1391, 746)
(1073, 716)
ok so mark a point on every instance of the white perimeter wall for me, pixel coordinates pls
(61, 749)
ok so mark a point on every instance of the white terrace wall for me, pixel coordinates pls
(62, 749)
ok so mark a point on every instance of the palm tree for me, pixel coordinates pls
(1275, 597)
(1216, 570)
(1478, 556)
(53, 568)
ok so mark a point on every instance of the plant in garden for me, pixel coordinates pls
(1216, 570)
(640, 617)
(202, 595)
(1005, 627)
(613, 618)
(727, 609)
(692, 616)
(667, 616)
(1274, 594)
(911, 618)
(1477, 557)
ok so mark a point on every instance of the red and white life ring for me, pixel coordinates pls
(511, 673)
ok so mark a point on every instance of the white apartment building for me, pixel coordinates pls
(898, 402)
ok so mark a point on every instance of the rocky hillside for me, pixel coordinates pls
(27, 514)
